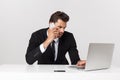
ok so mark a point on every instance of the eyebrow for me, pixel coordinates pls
(62, 27)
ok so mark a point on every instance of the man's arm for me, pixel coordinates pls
(36, 43)
(33, 50)
(36, 47)
(73, 52)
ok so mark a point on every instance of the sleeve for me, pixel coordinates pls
(33, 50)
(73, 52)
(42, 48)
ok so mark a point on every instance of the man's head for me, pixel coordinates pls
(60, 20)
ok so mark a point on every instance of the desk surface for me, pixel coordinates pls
(51, 68)
(47, 72)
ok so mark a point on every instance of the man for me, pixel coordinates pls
(42, 49)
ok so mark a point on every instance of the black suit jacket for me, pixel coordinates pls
(66, 44)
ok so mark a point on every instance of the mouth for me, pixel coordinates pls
(60, 34)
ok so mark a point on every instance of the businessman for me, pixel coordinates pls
(50, 45)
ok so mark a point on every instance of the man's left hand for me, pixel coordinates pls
(81, 63)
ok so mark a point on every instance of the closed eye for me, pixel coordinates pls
(61, 27)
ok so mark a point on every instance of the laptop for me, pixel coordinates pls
(99, 56)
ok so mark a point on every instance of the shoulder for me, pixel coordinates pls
(67, 35)
(40, 31)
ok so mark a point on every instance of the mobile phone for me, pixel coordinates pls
(51, 25)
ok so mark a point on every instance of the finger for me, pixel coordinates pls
(56, 32)
(56, 28)
(81, 63)
(81, 66)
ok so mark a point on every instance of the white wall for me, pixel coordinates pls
(90, 21)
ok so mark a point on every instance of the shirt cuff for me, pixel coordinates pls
(42, 48)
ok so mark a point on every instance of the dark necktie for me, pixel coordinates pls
(53, 48)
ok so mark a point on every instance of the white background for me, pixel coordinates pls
(95, 21)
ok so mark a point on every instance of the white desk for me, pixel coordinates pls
(45, 72)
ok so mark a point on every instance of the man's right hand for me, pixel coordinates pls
(52, 34)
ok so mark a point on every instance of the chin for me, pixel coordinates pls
(59, 36)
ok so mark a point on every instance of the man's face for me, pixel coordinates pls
(61, 25)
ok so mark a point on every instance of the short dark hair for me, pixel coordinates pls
(59, 15)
